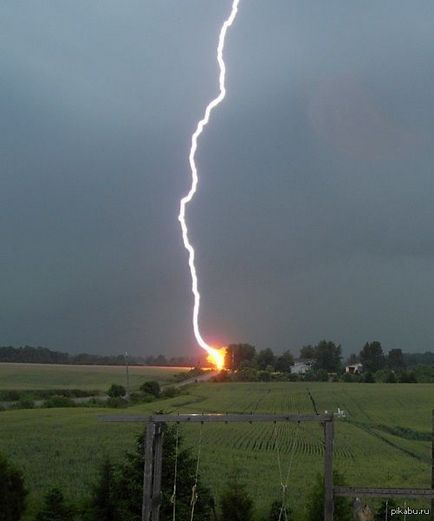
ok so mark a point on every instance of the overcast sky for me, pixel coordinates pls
(315, 212)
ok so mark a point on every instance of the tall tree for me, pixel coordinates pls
(328, 356)
(284, 362)
(372, 356)
(307, 352)
(395, 359)
(238, 353)
(265, 358)
(12, 492)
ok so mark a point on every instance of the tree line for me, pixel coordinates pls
(324, 361)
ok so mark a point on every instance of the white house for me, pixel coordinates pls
(354, 368)
(301, 366)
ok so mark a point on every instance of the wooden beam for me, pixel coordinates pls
(384, 492)
(328, 471)
(432, 466)
(158, 465)
(222, 418)
(147, 471)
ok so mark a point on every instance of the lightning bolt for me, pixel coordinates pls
(213, 352)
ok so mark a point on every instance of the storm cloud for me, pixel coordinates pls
(315, 213)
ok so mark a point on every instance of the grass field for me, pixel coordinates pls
(384, 441)
(86, 377)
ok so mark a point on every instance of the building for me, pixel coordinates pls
(354, 368)
(301, 366)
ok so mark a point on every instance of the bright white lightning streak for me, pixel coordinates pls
(185, 200)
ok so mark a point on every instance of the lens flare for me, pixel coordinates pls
(215, 355)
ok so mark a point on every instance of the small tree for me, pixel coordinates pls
(277, 512)
(12, 492)
(103, 505)
(116, 391)
(130, 483)
(235, 502)
(55, 508)
(152, 388)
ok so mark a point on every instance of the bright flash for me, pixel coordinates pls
(216, 355)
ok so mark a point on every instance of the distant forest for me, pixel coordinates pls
(43, 355)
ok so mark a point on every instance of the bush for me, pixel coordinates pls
(116, 403)
(407, 377)
(152, 388)
(368, 378)
(390, 378)
(24, 403)
(264, 376)
(235, 502)
(170, 392)
(116, 391)
(59, 401)
(247, 374)
(55, 508)
(222, 376)
(12, 492)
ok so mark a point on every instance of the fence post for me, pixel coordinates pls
(147, 471)
(328, 471)
(158, 465)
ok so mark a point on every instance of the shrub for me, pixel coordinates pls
(152, 388)
(368, 378)
(407, 377)
(24, 403)
(59, 401)
(12, 492)
(116, 391)
(170, 392)
(264, 376)
(235, 502)
(116, 403)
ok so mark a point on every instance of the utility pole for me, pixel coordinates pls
(127, 374)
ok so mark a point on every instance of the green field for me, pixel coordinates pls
(384, 441)
(86, 377)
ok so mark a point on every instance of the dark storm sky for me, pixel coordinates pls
(315, 211)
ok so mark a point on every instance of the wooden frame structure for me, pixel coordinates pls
(154, 457)
(154, 449)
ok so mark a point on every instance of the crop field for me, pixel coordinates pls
(383, 441)
(86, 377)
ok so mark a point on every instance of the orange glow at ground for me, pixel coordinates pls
(216, 357)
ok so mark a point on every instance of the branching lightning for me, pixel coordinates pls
(215, 354)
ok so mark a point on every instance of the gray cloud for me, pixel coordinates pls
(314, 215)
